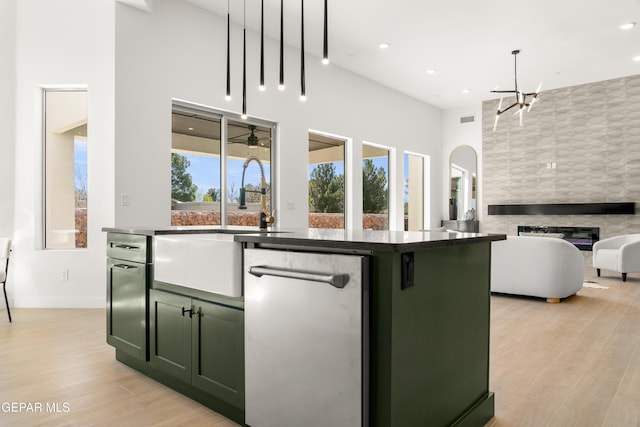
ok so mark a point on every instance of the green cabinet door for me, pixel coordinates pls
(218, 351)
(126, 307)
(170, 334)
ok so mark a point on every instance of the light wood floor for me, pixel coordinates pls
(576, 363)
(60, 356)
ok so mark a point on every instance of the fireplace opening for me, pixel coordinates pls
(581, 237)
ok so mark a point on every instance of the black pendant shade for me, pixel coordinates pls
(244, 63)
(244, 74)
(281, 84)
(228, 96)
(325, 47)
(303, 95)
(262, 45)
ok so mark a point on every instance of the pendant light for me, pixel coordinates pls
(261, 87)
(244, 62)
(281, 85)
(325, 50)
(228, 95)
(303, 95)
(521, 97)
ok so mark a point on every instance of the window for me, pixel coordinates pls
(414, 191)
(215, 160)
(65, 169)
(195, 168)
(375, 187)
(248, 172)
(463, 190)
(326, 182)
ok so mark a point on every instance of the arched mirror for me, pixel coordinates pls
(462, 183)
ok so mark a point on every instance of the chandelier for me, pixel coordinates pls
(281, 85)
(521, 97)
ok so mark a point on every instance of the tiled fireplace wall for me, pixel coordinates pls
(592, 134)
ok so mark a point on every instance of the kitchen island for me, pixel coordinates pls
(424, 350)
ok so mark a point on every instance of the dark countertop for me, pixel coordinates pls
(192, 229)
(371, 240)
(356, 240)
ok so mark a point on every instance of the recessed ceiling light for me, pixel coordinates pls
(431, 71)
(190, 128)
(384, 45)
(465, 91)
(627, 26)
(636, 58)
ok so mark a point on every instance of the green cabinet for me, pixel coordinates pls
(430, 342)
(128, 276)
(200, 343)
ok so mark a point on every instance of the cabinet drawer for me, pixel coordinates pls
(129, 247)
(127, 307)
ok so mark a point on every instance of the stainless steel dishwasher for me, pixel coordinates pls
(306, 347)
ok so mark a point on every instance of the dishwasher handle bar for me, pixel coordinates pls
(336, 280)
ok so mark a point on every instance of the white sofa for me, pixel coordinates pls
(619, 253)
(541, 267)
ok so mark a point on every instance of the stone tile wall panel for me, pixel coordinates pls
(591, 132)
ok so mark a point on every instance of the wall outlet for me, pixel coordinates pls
(64, 274)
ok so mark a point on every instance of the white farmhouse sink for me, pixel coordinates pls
(208, 262)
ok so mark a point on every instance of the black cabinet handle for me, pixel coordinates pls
(124, 246)
(190, 311)
(125, 266)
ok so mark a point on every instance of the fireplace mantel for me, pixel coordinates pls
(625, 208)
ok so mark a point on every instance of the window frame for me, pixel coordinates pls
(225, 117)
(391, 192)
(347, 173)
(44, 90)
(426, 163)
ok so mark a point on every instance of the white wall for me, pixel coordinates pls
(7, 114)
(178, 51)
(66, 42)
(159, 56)
(456, 134)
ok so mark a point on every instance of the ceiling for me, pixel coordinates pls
(469, 43)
